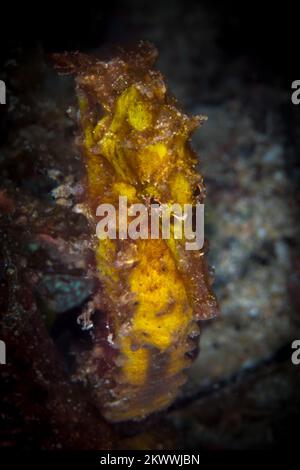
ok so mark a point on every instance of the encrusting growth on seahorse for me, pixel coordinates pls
(135, 143)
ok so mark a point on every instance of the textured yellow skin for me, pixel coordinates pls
(155, 291)
(163, 312)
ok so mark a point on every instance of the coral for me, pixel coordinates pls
(135, 143)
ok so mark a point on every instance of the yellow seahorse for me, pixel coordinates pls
(135, 143)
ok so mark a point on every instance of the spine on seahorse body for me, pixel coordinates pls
(135, 144)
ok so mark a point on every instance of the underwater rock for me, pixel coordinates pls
(62, 292)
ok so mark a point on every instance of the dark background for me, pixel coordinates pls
(265, 34)
(235, 62)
